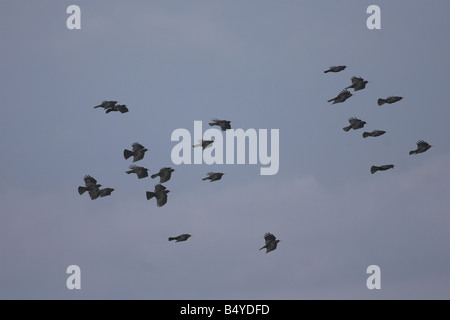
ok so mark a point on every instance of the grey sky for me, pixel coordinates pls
(259, 64)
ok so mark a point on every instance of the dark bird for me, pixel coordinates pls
(374, 169)
(160, 193)
(138, 152)
(358, 83)
(140, 171)
(355, 123)
(181, 237)
(164, 174)
(389, 100)
(204, 144)
(223, 124)
(91, 187)
(213, 176)
(374, 133)
(105, 192)
(106, 104)
(271, 242)
(341, 97)
(335, 69)
(122, 108)
(422, 146)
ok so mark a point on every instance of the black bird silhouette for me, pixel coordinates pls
(358, 83)
(204, 144)
(374, 133)
(105, 192)
(223, 124)
(106, 104)
(422, 146)
(181, 237)
(271, 242)
(341, 97)
(91, 186)
(355, 123)
(160, 193)
(335, 69)
(122, 108)
(389, 100)
(140, 171)
(138, 152)
(374, 169)
(164, 174)
(213, 176)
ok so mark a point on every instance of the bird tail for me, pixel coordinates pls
(206, 178)
(326, 71)
(197, 145)
(109, 110)
(129, 171)
(348, 87)
(262, 248)
(366, 134)
(154, 175)
(150, 195)
(381, 102)
(212, 124)
(347, 128)
(81, 190)
(373, 169)
(172, 238)
(99, 106)
(127, 153)
(330, 100)
(412, 152)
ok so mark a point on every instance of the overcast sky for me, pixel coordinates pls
(259, 64)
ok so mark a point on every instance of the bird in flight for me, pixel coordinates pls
(91, 186)
(213, 176)
(355, 124)
(374, 133)
(358, 83)
(106, 104)
(341, 97)
(204, 144)
(223, 124)
(181, 237)
(141, 172)
(374, 169)
(335, 69)
(389, 100)
(422, 146)
(271, 242)
(160, 193)
(164, 174)
(137, 152)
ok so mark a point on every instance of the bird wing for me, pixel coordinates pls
(161, 199)
(160, 187)
(142, 172)
(269, 238)
(137, 146)
(354, 120)
(89, 181)
(422, 144)
(356, 80)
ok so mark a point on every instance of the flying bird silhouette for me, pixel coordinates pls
(271, 242)
(164, 174)
(374, 169)
(358, 83)
(389, 100)
(137, 152)
(335, 69)
(181, 237)
(91, 187)
(223, 124)
(160, 193)
(355, 124)
(341, 97)
(422, 146)
(141, 172)
(374, 133)
(106, 104)
(213, 176)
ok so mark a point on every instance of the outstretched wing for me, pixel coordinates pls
(422, 144)
(354, 120)
(137, 146)
(159, 187)
(356, 80)
(269, 238)
(89, 181)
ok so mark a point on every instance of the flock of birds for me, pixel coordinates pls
(160, 192)
(359, 83)
(137, 153)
